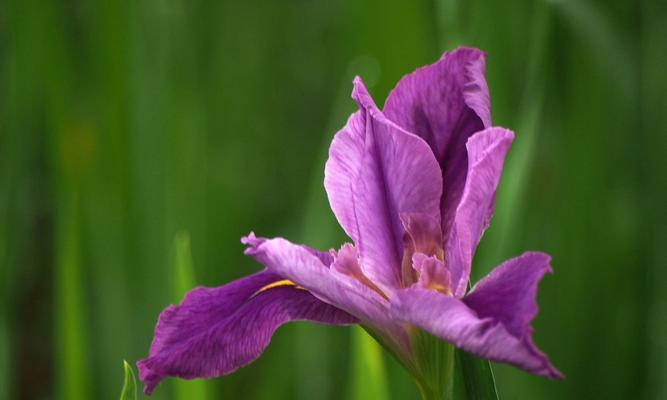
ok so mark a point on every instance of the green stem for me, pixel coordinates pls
(428, 394)
(435, 359)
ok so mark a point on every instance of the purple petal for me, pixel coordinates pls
(397, 174)
(299, 266)
(486, 155)
(346, 261)
(508, 294)
(342, 169)
(445, 103)
(215, 331)
(331, 286)
(327, 257)
(452, 320)
(432, 273)
(476, 91)
(423, 234)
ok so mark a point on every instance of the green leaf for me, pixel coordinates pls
(476, 377)
(130, 385)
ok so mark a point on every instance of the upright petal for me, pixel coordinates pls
(452, 320)
(445, 103)
(443, 100)
(398, 174)
(336, 288)
(486, 155)
(476, 91)
(215, 331)
(341, 171)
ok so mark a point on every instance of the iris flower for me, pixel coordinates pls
(413, 185)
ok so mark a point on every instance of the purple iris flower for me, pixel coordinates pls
(413, 185)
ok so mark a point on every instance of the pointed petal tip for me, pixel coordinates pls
(546, 369)
(253, 242)
(358, 87)
(361, 96)
(147, 376)
(249, 239)
(555, 374)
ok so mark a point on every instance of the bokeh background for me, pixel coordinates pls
(127, 127)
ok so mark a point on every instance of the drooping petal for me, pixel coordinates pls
(215, 331)
(486, 156)
(397, 174)
(509, 293)
(452, 320)
(445, 103)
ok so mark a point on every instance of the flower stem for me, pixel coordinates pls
(435, 359)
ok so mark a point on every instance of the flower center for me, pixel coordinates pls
(423, 253)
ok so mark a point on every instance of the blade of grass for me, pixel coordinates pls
(69, 157)
(129, 391)
(183, 269)
(654, 103)
(104, 199)
(368, 375)
(4, 359)
(184, 280)
(72, 332)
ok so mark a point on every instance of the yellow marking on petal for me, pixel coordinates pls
(439, 288)
(284, 282)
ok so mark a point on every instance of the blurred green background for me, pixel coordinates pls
(123, 123)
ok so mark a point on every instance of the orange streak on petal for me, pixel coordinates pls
(284, 282)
